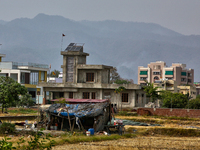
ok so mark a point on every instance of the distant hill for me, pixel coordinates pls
(2, 22)
(125, 45)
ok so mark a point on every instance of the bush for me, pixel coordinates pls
(5, 145)
(7, 128)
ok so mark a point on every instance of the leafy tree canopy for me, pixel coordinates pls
(120, 89)
(174, 100)
(195, 103)
(10, 91)
(123, 81)
(114, 75)
(151, 91)
(26, 100)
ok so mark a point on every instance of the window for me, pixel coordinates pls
(124, 97)
(143, 78)
(70, 94)
(189, 80)
(22, 78)
(42, 75)
(143, 72)
(86, 95)
(33, 78)
(4, 74)
(93, 95)
(143, 84)
(183, 79)
(142, 97)
(136, 98)
(189, 74)
(156, 66)
(156, 73)
(14, 76)
(32, 93)
(156, 78)
(90, 77)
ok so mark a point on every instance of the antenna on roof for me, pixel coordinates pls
(62, 41)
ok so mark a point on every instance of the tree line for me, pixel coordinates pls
(171, 100)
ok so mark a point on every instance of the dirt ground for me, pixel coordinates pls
(142, 142)
(179, 143)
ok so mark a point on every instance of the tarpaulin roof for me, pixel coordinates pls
(69, 100)
(79, 110)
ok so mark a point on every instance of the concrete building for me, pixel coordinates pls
(176, 78)
(27, 74)
(168, 85)
(197, 85)
(83, 81)
(159, 71)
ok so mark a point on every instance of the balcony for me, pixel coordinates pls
(17, 65)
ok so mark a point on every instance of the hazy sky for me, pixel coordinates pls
(182, 16)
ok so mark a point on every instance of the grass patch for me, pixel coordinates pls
(95, 138)
(175, 132)
(22, 111)
(174, 118)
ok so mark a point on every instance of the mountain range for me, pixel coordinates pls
(125, 45)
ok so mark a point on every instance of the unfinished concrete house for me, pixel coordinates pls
(83, 81)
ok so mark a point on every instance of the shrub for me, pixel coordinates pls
(5, 145)
(7, 128)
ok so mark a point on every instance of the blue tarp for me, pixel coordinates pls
(79, 110)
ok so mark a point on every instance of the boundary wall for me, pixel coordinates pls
(192, 113)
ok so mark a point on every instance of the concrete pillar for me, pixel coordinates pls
(64, 68)
(101, 94)
(66, 94)
(19, 77)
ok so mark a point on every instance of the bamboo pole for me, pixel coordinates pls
(62, 124)
(73, 124)
(69, 120)
(81, 125)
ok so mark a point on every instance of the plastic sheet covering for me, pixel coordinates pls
(79, 110)
(133, 123)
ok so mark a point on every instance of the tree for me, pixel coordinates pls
(195, 103)
(174, 100)
(26, 100)
(123, 81)
(10, 91)
(119, 90)
(54, 73)
(114, 75)
(151, 91)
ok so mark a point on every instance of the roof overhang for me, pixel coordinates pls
(81, 100)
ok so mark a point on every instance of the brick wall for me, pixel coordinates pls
(193, 113)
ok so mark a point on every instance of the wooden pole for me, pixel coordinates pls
(81, 125)
(62, 124)
(73, 124)
(69, 120)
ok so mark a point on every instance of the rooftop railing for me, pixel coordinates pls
(30, 65)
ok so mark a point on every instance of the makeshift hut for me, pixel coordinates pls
(77, 113)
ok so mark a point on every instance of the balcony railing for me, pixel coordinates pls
(30, 65)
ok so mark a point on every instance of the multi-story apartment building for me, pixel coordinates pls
(27, 74)
(159, 71)
(83, 81)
